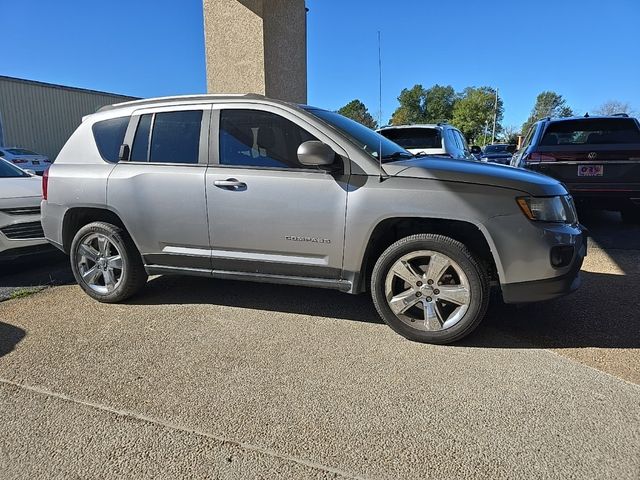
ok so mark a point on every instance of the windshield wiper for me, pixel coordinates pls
(397, 156)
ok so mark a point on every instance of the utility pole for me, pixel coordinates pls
(495, 118)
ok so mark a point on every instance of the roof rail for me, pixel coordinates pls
(151, 101)
(625, 115)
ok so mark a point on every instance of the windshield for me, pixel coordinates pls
(20, 151)
(414, 137)
(9, 171)
(366, 138)
(498, 149)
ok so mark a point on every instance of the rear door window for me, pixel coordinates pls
(595, 131)
(109, 136)
(176, 137)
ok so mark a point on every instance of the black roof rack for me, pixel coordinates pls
(625, 115)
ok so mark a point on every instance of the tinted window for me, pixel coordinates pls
(7, 170)
(461, 140)
(498, 149)
(596, 131)
(109, 135)
(176, 137)
(414, 137)
(259, 139)
(140, 147)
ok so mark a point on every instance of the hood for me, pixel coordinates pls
(468, 171)
(20, 187)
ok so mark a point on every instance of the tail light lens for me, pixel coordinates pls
(45, 184)
(19, 160)
(46, 160)
(540, 157)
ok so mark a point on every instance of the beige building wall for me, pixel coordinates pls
(257, 46)
(42, 116)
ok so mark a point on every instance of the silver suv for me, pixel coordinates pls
(244, 187)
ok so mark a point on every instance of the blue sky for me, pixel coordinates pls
(586, 50)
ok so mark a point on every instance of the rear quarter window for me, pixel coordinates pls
(109, 135)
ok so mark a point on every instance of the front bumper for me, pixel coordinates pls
(549, 288)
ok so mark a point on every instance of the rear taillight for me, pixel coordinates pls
(45, 184)
(540, 157)
(19, 160)
(46, 160)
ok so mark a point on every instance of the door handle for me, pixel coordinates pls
(230, 184)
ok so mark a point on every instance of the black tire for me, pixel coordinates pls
(479, 292)
(133, 275)
(631, 215)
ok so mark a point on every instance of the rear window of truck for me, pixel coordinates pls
(414, 137)
(596, 131)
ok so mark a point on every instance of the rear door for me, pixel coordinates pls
(160, 192)
(590, 154)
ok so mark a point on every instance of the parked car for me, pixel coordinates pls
(244, 187)
(498, 153)
(598, 158)
(20, 229)
(442, 140)
(25, 159)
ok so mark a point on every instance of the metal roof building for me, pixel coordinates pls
(41, 116)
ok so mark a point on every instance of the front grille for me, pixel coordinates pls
(21, 210)
(21, 231)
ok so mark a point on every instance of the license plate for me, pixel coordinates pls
(36, 162)
(590, 170)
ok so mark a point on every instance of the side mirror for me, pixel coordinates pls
(476, 149)
(315, 153)
(123, 153)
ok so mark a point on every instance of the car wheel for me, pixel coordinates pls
(106, 263)
(430, 288)
(631, 215)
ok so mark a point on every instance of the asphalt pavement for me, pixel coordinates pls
(215, 379)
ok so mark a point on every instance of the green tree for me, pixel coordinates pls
(420, 105)
(412, 106)
(548, 104)
(473, 113)
(356, 110)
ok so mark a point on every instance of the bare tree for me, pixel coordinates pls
(611, 107)
(510, 134)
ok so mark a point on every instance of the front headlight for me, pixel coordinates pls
(548, 209)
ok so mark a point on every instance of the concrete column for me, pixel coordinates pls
(257, 46)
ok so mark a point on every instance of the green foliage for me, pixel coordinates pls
(420, 105)
(356, 110)
(473, 113)
(548, 104)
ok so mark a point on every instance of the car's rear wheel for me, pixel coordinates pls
(430, 288)
(106, 263)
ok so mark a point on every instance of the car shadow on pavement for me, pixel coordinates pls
(10, 336)
(170, 290)
(604, 312)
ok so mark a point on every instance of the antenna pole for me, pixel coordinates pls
(495, 118)
(381, 170)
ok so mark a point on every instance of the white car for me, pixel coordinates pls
(20, 228)
(441, 139)
(25, 159)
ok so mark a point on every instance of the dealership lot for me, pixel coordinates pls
(211, 378)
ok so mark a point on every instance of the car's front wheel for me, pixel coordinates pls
(430, 288)
(106, 263)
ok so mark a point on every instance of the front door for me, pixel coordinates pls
(268, 214)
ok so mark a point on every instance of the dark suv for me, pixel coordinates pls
(597, 158)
